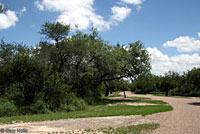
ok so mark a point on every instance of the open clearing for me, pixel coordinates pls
(184, 119)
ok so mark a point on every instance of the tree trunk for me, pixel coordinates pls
(124, 94)
(107, 92)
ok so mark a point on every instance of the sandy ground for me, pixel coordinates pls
(184, 119)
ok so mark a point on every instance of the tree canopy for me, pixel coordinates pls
(66, 70)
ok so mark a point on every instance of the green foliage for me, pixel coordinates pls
(69, 73)
(40, 107)
(55, 91)
(14, 93)
(55, 31)
(75, 105)
(172, 84)
(7, 108)
(92, 111)
(145, 84)
(28, 75)
(139, 60)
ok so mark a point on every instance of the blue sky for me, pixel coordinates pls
(168, 28)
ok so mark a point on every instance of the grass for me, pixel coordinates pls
(102, 110)
(139, 129)
(159, 102)
(91, 111)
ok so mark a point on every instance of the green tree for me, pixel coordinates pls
(139, 61)
(192, 82)
(169, 82)
(57, 32)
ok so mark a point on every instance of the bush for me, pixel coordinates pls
(178, 91)
(55, 92)
(79, 104)
(7, 108)
(73, 103)
(195, 93)
(140, 91)
(14, 93)
(39, 107)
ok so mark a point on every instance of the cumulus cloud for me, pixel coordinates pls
(199, 34)
(162, 63)
(120, 13)
(134, 2)
(82, 13)
(8, 19)
(137, 3)
(184, 44)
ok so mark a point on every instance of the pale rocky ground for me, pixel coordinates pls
(184, 119)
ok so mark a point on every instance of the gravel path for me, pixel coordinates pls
(184, 119)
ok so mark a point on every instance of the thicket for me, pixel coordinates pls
(172, 84)
(65, 71)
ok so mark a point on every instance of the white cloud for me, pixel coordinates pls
(138, 8)
(199, 34)
(120, 13)
(39, 5)
(162, 63)
(134, 2)
(22, 11)
(82, 13)
(8, 19)
(184, 44)
(75, 12)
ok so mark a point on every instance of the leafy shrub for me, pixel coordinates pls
(195, 93)
(39, 107)
(55, 92)
(14, 93)
(73, 103)
(178, 91)
(7, 108)
(79, 104)
(140, 91)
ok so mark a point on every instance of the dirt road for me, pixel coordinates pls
(184, 119)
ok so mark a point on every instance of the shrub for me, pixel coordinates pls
(14, 93)
(7, 108)
(79, 104)
(55, 92)
(140, 91)
(73, 103)
(39, 107)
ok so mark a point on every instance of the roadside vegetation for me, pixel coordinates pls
(102, 109)
(65, 72)
(171, 84)
(138, 129)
